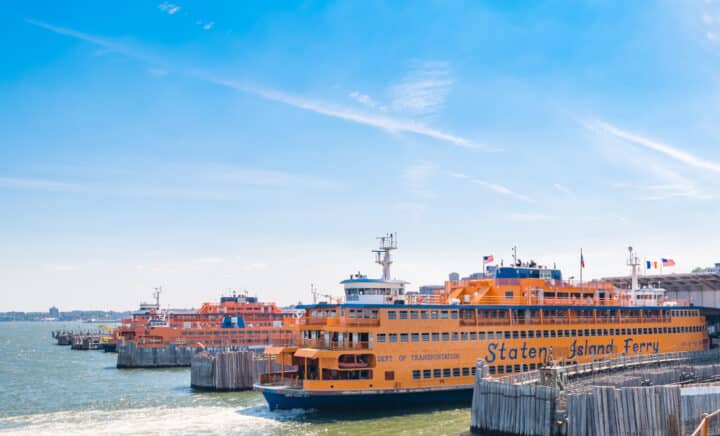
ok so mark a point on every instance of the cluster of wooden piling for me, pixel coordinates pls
(130, 355)
(516, 409)
(229, 370)
(81, 340)
(652, 400)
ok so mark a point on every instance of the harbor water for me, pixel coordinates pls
(49, 389)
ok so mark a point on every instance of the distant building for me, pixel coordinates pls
(54, 312)
(430, 289)
(711, 269)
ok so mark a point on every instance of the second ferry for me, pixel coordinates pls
(385, 347)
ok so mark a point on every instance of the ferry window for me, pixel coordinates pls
(515, 334)
(645, 331)
(492, 370)
(587, 332)
(435, 337)
(545, 334)
(392, 314)
(437, 373)
(509, 294)
(523, 334)
(472, 370)
(634, 331)
(579, 332)
(433, 314)
(465, 372)
(532, 367)
(454, 314)
(403, 337)
(538, 333)
(559, 333)
(454, 336)
(473, 336)
(517, 368)
(501, 369)
(381, 337)
(531, 334)
(426, 337)
(446, 372)
(592, 332)
(552, 333)
(416, 374)
(403, 314)
(491, 335)
(413, 314)
(374, 314)
(605, 332)
(525, 367)
(389, 375)
(509, 369)
(507, 335)
(423, 314)
(481, 336)
(463, 336)
(444, 314)
(415, 337)
(427, 373)
(446, 336)
(393, 337)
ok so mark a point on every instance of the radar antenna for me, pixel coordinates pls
(315, 293)
(382, 255)
(156, 296)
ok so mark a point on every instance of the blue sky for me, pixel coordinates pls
(262, 146)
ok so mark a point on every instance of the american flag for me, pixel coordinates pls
(668, 262)
(488, 259)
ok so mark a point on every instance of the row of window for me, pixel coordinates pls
(417, 374)
(466, 313)
(529, 334)
(509, 369)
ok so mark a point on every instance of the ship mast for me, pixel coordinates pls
(382, 255)
(156, 296)
(633, 263)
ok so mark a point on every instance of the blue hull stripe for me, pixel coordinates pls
(278, 400)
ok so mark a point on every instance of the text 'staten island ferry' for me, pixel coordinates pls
(385, 347)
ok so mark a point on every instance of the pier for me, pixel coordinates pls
(82, 340)
(664, 394)
(130, 355)
(229, 370)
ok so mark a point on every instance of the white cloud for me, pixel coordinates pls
(423, 90)
(328, 109)
(712, 36)
(563, 189)
(389, 124)
(670, 151)
(500, 189)
(530, 217)
(209, 25)
(170, 8)
(363, 99)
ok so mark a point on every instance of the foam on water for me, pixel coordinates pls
(153, 421)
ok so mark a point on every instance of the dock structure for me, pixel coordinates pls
(81, 340)
(228, 371)
(648, 395)
(130, 355)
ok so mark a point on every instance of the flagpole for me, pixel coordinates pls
(581, 268)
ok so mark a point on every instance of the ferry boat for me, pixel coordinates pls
(385, 347)
(238, 320)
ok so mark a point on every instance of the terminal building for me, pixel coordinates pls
(701, 288)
